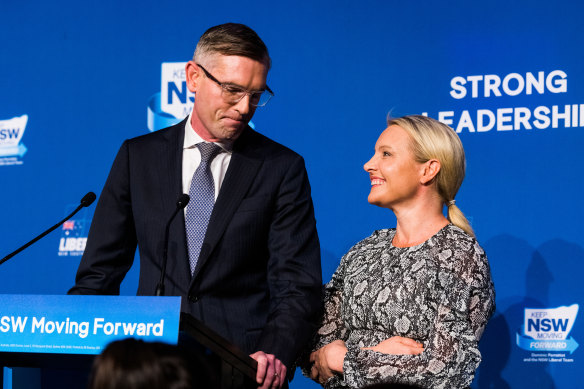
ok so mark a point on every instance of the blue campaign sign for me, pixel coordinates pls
(84, 324)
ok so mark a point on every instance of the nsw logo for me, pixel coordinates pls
(174, 101)
(11, 148)
(548, 329)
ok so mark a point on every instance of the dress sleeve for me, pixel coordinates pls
(331, 326)
(465, 302)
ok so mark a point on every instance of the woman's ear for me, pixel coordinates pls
(431, 169)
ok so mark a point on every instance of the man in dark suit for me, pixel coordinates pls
(253, 273)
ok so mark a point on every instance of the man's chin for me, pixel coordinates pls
(232, 133)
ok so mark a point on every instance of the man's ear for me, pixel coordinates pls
(431, 169)
(193, 75)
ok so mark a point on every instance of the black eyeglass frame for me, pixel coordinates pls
(225, 86)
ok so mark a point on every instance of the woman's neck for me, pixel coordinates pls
(416, 225)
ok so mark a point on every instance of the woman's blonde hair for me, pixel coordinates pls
(432, 139)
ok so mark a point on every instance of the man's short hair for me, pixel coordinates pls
(232, 39)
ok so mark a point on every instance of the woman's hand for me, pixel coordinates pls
(398, 346)
(327, 361)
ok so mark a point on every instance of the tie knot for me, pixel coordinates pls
(208, 151)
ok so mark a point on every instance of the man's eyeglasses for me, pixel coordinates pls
(232, 94)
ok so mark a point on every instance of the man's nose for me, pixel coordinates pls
(243, 106)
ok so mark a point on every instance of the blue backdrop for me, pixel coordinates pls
(77, 79)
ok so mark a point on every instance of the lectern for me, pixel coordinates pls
(67, 332)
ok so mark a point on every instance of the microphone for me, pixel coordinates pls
(181, 203)
(86, 201)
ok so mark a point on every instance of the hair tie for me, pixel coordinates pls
(451, 202)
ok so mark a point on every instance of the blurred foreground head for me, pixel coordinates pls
(135, 364)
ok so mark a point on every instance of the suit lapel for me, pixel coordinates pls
(170, 164)
(243, 167)
(170, 177)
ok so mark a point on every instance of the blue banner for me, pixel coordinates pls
(84, 324)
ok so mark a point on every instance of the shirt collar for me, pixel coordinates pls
(192, 139)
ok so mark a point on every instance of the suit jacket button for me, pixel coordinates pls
(194, 298)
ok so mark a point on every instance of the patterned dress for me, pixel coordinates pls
(439, 293)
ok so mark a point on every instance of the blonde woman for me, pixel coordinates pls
(409, 304)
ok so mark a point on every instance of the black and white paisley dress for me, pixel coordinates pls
(439, 293)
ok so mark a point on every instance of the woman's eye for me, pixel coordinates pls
(386, 154)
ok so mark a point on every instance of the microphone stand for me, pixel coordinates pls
(85, 202)
(182, 202)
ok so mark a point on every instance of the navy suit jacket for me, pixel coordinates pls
(258, 278)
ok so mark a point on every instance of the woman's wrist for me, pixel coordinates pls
(335, 355)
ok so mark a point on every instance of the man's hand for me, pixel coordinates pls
(327, 361)
(271, 371)
(398, 346)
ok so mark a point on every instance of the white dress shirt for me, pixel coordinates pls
(192, 159)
